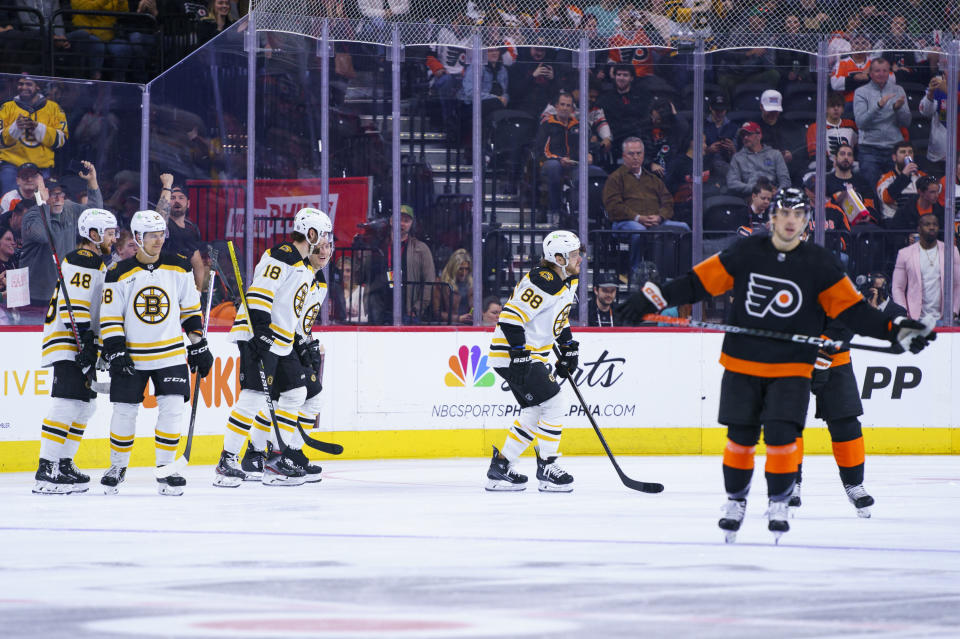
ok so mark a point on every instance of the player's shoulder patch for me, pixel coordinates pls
(286, 253)
(176, 261)
(119, 269)
(319, 278)
(84, 258)
(546, 280)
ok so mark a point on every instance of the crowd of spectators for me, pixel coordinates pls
(886, 130)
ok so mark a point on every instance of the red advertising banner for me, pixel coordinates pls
(219, 206)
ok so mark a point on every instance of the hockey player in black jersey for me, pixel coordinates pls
(73, 402)
(837, 394)
(781, 284)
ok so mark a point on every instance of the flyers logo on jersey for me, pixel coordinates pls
(766, 294)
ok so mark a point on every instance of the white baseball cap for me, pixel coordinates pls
(771, 100)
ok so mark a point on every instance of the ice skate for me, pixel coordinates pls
(252, 463)
(112, 479)
(228, 473)
(553, 478)
(502, 476)
(172, 485)
(860, 499)
(794, 502)
(279, 470)
(50, 481)
(299, 458)
(777, 519)
(733, 512)
(80, 482)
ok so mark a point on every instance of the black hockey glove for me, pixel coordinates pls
(89, 351)
(821, 371)
(308, 350)
(519, 364)
(910, 335)
(648, 300)
(262, 341)
(119, 361)
(199, 358)
(569, 358)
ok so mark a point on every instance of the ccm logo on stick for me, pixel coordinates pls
(878, 377)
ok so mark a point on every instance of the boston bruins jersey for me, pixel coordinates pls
(536, 314)
(83, 272)
(315, 297)
(150, 306)
(790, 292)
(277, 297)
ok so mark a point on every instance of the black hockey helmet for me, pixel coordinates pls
(792, 198)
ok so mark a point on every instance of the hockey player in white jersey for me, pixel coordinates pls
(533, 319)
(73, 401)
(277, 298)
(308, 351)
(149, 301)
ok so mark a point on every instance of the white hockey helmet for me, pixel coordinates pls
(98, 220)
(560, 242)
(310, 218)
(146, 222)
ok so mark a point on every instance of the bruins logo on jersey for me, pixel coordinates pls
(561, 320)
(151, 304)
(299, 298)
(310, 318)
(286, 248)
(547, 275)
(84, 253)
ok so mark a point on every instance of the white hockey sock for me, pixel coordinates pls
(123, 428)
(521, 434)
(81, 416)
(167, 431)
(262, 431)
(241, 420)
(56, 428)
(307, 416)
(288, 416)
(550, 427)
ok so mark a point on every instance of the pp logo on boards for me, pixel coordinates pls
(479, 372)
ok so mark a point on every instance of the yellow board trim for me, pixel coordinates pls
(21, 456)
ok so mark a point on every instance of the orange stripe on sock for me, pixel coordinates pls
(737, 456)
(782, 459)
(849, 454)
(799, 444)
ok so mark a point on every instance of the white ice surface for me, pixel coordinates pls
(416, 548)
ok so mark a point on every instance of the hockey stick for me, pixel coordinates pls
(62, 284)
(821, 342)
(642, 486)
(181, 462)
(333, 449)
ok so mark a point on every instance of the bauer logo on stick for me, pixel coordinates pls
(772, 294)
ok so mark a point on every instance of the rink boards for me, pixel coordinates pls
(430, 393)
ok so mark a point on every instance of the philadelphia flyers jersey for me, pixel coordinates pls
(149, 306)
(277, 297)
(790, 292)
(83, 272)
(315, 297)
(538, 310)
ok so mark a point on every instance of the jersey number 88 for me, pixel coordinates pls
(531, 298)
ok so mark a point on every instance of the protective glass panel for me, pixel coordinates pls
(198, 148)
(83, 137)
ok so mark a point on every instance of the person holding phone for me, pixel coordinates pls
(934, 107)
(34, 128)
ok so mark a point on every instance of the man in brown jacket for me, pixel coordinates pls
(638, 200)
(419, 272)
